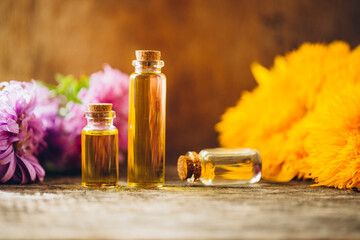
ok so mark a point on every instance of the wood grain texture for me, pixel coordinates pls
(60, 209)
(207, 46)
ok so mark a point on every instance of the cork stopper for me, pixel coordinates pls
(147, 55)
(184, 167)
(188, 167)
(100, 107)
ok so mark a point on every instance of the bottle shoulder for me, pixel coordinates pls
(144, 75)
(100, 130)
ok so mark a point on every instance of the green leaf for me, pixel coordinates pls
(69, 86)
(48, 85)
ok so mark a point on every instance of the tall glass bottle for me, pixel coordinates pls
(146, 135)
(99, 148)
(220, 166)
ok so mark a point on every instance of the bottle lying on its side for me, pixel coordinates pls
(220, 166)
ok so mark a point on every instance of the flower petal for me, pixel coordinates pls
(10, 171)
(40, 172)
(7, 155)
(25, 125)
(20, 176)
(3, 169)
(4, 135)
(29, 167)
(14, 139)
(4, 145)
(12, 126)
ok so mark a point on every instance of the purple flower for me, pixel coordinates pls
(108, 86)
(51, 155)
(21, 133)
(47, 106)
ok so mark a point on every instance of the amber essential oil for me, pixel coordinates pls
(221, 166)
(146, 135)
(99, 140)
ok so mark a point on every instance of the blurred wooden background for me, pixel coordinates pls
(207, 46)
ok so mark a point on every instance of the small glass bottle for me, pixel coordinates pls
(220, 166)
(146, 132)
(99, 144)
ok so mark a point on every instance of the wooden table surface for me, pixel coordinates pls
(59, 208)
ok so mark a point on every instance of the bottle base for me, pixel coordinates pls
(99, 185)
(145, 185)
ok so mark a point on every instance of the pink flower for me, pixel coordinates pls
(73, 123)
(108, 86)
(21, 133)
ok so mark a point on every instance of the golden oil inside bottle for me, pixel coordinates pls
(230, 166)
(242, 171)
(146, 145)
(221, 166)
(100, 158)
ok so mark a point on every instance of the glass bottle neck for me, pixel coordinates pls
(100, 122)
(148, 66)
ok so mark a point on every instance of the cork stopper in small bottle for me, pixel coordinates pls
(189, 167)
(100, 107)
(184, 168)
(147, 55)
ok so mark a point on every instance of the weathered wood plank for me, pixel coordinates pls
(59, 208)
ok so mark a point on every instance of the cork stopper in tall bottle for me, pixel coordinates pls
(147, 55)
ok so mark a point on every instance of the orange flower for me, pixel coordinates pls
(278, 116)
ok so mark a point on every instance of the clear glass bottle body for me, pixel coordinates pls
(100, 156)
(146, 132)
(221, 166)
